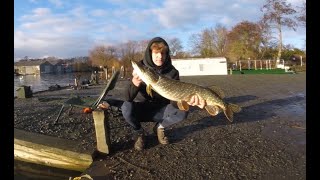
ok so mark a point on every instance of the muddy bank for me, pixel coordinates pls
(265, 141)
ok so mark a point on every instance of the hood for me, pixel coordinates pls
(167, 65)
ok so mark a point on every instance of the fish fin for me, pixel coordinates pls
(217, 90)
(148, 89)
(183, 105)
(212, 110)
(230, 109)
(235, 108)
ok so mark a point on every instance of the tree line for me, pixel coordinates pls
(246, 40)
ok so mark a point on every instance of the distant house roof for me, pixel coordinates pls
(36, 62)
(29, 62)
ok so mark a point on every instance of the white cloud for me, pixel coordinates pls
(78, 27)
(99, 13)
(191, 13)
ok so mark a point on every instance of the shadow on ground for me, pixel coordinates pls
(257, 112)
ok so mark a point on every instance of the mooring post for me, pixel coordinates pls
(102, 127)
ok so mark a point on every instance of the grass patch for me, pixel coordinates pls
(262, 71)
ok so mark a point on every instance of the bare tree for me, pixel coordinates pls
(202, 43)
(207, 47)
(195, 44)
(279, 13)
(103, 56)
(302, 14)
(130, 52)
(175, 46)
(267, 42)
(127, 51)
(210, 42)
(220, 40)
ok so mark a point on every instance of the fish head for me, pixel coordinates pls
(147, 75)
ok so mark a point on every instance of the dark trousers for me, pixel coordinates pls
(136, 112)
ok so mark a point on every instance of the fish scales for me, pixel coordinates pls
(182, 92)
(177, 90)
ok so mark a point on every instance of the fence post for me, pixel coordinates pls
(102, 128)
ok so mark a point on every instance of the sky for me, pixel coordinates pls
(70, 28)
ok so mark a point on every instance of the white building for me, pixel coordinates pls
(201, 66)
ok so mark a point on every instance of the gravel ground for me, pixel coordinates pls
(267, 139)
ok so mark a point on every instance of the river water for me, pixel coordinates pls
(44, 81)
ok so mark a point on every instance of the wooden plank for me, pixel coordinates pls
(102, 128)
(49, 151)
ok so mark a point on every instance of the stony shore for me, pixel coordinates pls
(267, 139)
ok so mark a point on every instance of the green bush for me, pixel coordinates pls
(263, 71)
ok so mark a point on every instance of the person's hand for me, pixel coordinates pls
(104, 105)
(136, 79)
(197, 101)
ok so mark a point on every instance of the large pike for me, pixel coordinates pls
(182, 92)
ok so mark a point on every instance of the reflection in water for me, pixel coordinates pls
(44, 81)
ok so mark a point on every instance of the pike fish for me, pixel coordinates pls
(181, 92)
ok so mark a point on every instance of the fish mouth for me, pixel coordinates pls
(134, 65)
(147, 75)
(138, 69)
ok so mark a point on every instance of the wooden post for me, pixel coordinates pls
(113, 70)
(270, 64)
(122, 72)
(266, 64)
(101, 124)
(240, 65)
(106, 72)
(255, 64)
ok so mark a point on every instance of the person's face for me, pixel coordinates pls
(158, 57)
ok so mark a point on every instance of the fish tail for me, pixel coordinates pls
(230, 109)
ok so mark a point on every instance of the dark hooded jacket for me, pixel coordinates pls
(167, 69)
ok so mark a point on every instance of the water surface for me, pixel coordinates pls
(44, 81)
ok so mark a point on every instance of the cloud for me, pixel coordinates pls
(99, 13)
(42, 32)
(188, 13)
(57, 3)
(43, 44)
(68, 31)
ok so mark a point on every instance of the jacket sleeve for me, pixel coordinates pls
(131, 91)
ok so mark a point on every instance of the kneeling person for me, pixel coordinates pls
(156, 108)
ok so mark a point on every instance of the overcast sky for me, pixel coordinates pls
(70, 28)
